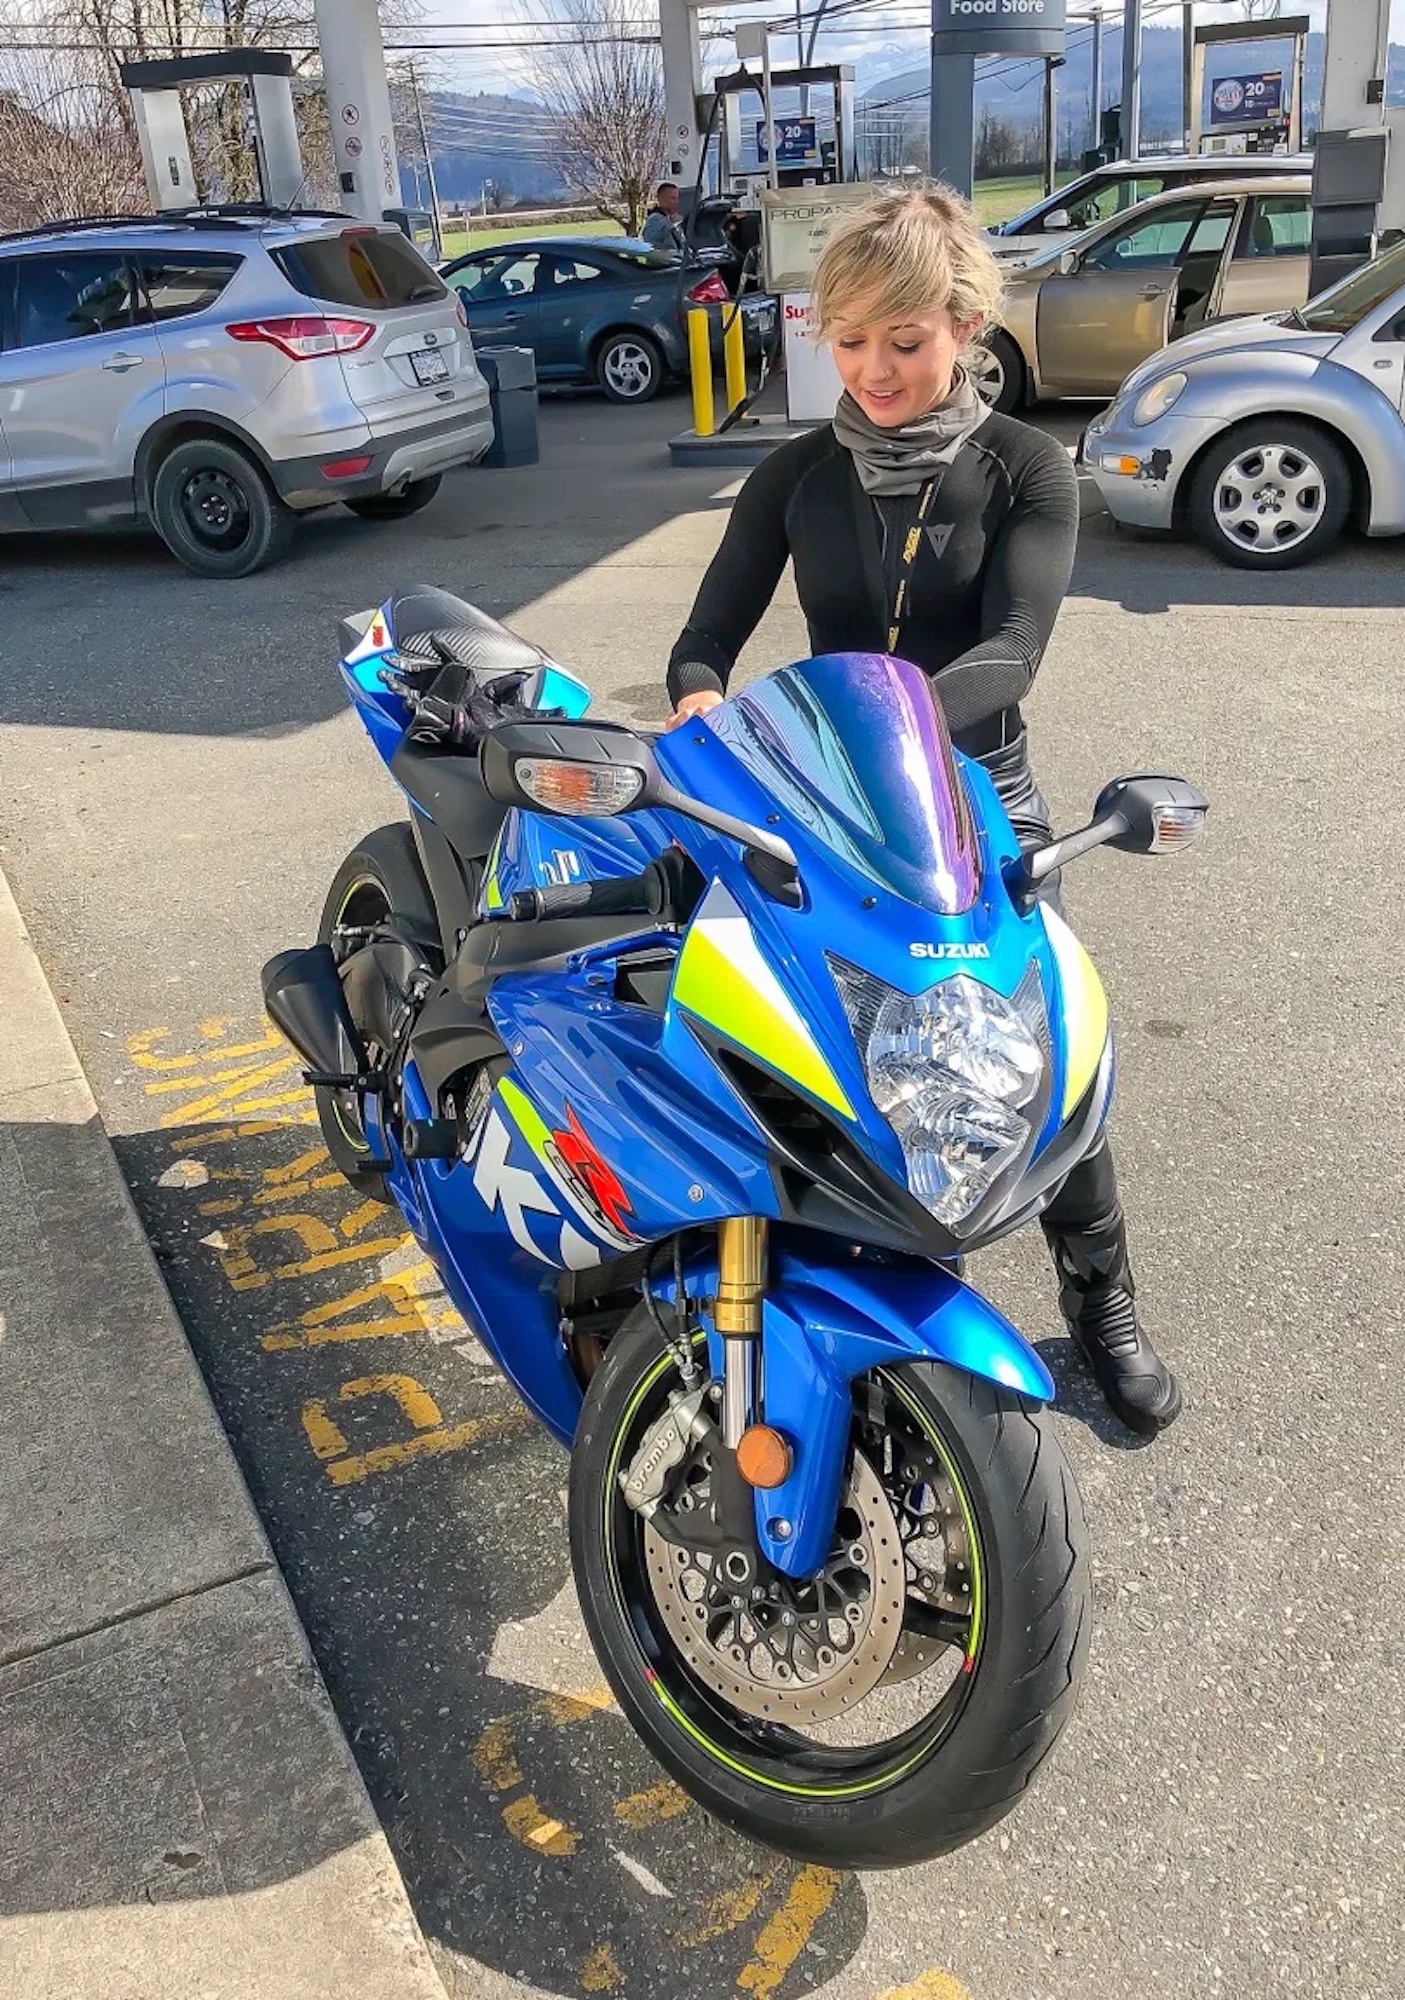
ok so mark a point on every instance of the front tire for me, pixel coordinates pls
(1012, 1677)
(381, 877)
(1270, 494)
(629, 368)
(215, 511)
(397, 506)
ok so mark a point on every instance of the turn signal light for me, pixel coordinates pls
(592, 790)
(1113, 462)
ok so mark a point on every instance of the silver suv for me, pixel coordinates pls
(218, 373)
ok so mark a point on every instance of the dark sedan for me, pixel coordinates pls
(608, 310)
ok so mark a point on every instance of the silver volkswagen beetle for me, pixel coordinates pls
(1263, 436)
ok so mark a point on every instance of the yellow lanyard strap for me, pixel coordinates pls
(906, 561)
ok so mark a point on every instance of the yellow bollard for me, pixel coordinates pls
(734, 354)
(700, 367)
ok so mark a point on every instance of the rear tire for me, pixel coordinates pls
(969, 1763)
(629, 368)
(998, 371)
(397, 506)
(380, 876)
(216, 512)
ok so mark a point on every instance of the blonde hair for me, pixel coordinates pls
(908, 251)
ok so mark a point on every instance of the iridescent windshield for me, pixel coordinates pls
(855, 747)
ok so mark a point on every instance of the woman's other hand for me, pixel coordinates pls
(691, 705)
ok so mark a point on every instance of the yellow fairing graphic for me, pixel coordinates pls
(723, 979)
(1084, 1010)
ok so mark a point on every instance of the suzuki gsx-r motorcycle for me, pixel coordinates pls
(697, 1066)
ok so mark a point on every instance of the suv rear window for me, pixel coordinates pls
(179, 283)
(382, 271)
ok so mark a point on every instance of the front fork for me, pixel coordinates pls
(752, 1455)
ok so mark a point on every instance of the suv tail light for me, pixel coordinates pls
(304, 338)
(710, 291)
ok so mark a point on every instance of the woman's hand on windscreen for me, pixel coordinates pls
(691, 705)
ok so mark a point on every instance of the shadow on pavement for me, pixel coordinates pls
(419, 1517)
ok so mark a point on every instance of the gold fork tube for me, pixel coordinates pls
(741, 1276)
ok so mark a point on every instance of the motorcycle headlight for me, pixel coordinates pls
(1158, 399)
(952, 1070)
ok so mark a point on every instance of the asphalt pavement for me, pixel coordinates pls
(178, 780)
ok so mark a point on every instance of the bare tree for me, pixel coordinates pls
(602, 87)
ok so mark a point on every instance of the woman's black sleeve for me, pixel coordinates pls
(739, 585)
(1026, 575)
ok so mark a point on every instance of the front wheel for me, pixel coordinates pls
(1270, 495)
(896, 1704)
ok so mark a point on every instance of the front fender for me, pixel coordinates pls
(826, 1324)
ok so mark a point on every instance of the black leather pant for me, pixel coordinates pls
(1085, 1216)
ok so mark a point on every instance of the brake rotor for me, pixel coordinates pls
(936, 1553)
(792, 1651)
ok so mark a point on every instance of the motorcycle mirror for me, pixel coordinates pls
(1139, 815)
(1155, 815)
(588, 770)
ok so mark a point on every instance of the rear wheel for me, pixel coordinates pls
(998, 371)
(398, 506)
(898, 1703)
(629, 368)
(1270, 495)
(215, 511)
(379, 878)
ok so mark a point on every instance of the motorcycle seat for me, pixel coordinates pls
(422, 614)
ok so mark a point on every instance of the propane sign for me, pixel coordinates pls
(1246, 100)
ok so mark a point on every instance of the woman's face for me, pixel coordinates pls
(897, 370)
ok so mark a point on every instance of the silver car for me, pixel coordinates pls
(219, 373)
(1264, 436)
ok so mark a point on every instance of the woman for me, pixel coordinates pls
(923, 524)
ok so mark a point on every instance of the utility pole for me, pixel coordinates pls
(1188, 67)
(1132, 79)
(1097, 76)
(1051, 143)
(953, 113)
(428, 155)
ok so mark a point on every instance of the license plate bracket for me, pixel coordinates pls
(430, 365)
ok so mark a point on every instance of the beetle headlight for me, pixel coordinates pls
(953, 1070)
(1158, 399)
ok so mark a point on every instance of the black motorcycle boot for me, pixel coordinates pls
(1098, 1298)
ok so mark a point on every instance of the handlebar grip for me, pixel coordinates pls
(618, 896)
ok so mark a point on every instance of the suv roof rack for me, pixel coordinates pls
(215, 215)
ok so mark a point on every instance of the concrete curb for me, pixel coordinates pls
(182, 1813)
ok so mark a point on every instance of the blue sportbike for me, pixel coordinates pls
(699, 1065)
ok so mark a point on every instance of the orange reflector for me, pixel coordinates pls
(763, 1457)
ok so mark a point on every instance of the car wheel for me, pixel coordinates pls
(629, 368)
(215, 511)
(398, 506)
(997, 369)
(1270, 495)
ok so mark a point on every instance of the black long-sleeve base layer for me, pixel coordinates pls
(994, 562)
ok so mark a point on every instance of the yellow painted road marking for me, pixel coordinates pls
(206, 1080)
(787, 1933)
(526, 1822)
(218, 1103)
(360, 1219)
(296, 1169)
(411, 1312)
(933, 1985)
(720, 1915)
(324, 1252)
(494, 1756)
(432, 1436)
(600, 1972)
(645, 1809)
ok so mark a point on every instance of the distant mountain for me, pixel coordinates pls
(489, 138)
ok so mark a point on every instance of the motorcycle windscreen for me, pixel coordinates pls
(855, 746)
